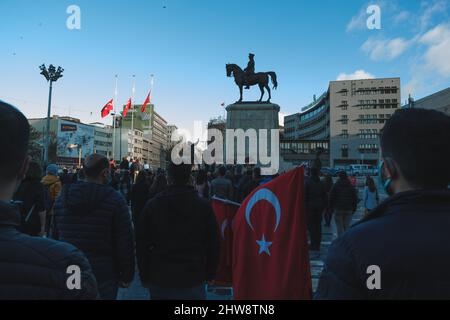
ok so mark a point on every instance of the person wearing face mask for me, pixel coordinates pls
(95, 218)
(400, 249)
(32, 268)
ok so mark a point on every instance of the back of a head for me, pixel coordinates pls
(14, 139)
(314, 172)
(222, 171)
(52, 169)
(34, 171)
(256, 173)
(179, 174)
(201, 178)
(94, 165)
(418, 140)
(342, 175)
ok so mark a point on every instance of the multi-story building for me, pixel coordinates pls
(439, 101)
(103, 135)
(347, 120)
(358, 112)
(171, 128)
(70, 140)
(146, 136)
(313, 123)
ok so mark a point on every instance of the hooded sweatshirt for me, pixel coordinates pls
(53, 184)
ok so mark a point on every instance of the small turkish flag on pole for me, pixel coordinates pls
(107, 108)
(127, 107)
(144, 106)
(225, 211)
(270, 248)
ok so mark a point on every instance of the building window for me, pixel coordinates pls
(344, 134)
(344, 151)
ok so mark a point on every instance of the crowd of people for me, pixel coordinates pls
(107, 219)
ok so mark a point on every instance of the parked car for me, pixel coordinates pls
(362, 170)
(331, 171)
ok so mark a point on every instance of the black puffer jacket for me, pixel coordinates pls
(343, 196)
(407, 237)
(177, 240)
(315, 195)
(96, 219)
(36, 268)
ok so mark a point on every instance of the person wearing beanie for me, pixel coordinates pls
(52, 186)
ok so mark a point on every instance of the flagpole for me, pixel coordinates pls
(114, 123)
(150, 117)
(132, 114)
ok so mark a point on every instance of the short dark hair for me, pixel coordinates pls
(34, 171)
(342, 175)
(222, 170)
(314, 172)
(257, 172)
(94, 165)
(179, 174)
(418, 140)
(14, 139)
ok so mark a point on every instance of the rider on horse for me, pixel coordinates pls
(250, 70)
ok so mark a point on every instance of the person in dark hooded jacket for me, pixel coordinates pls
(401, 249)
(32, 268)
(95, 218)
(177, 241)
(343, 200)
(315, 204)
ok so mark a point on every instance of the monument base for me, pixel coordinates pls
(253, 115)
(256, 116)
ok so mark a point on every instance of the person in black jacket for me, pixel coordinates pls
(400, 250)
(315, 204)
(31, 267)
(177, 241)
(343, 200)
(140, 194)
(31, 194)
(95, 218)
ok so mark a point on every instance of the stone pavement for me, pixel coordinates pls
(137, 292)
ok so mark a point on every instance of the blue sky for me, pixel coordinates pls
(187, 44)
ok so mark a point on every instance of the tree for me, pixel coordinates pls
(35, 149)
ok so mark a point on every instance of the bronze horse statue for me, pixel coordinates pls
(261, 79)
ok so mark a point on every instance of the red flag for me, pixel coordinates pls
(270, 248)
(225, 212)
(146, 101)
(107, 108)
(127, 107)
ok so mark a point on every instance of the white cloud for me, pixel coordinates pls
(281, 116)
(385, 49)
(401, 17)
(437, 55)
(357, 75)
(430, 10)
(359, 21)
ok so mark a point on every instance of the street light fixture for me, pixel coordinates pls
(51, 75)
(80, 150)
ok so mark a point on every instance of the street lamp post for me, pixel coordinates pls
(51, 75)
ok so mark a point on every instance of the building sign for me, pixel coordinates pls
(68, 127)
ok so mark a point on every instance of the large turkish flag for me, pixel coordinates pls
(270, 248)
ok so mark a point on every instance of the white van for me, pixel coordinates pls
(360, 169)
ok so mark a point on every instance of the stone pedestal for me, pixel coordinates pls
(246, 115)
(253, 115)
